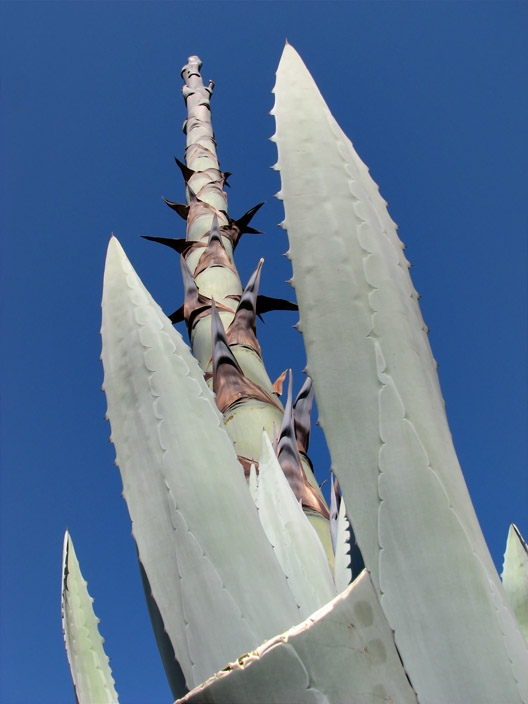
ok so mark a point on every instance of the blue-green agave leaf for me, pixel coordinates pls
(213, 574)
(91, 674)
(382, 412)
(343, 557)
(295, 542)
(342, 654)
(515, 576)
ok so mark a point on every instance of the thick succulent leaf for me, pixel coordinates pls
(343, 567)
(383, 415)
(515, 576)
(173, 671)
(295, 542)
(343, 653)
(91, 674)
(334, 511)
(253, 483)
(217, 584)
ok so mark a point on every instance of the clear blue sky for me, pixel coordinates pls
(433, 96)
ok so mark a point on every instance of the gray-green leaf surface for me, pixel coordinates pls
(295, 542)
(343, 568)
(383, 415)
(218, 586)
(515, 576)
(91, 674)
(342, 654)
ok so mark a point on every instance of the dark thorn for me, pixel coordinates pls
(265, 304)
(181, 208)
(186, 171)
(245, 219)
(177, 316)
(178, 243)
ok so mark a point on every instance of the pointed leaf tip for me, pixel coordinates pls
(302, 409)
(90, 671)
(515, 576)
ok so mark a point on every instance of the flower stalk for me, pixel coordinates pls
(221, 316)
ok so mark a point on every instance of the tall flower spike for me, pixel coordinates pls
(242, 330)
(215, 253)
(206, 181)
(229, 383)
(195, 304)
(199, 210)
(187, 173)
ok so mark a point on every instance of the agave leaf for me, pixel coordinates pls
(91, 674)
(173, 671)
(296, 544)
(382, 412)
(216, 582)
(343, 568)
(515, 576)
(253, 483)
(334, 511)
(343, 653)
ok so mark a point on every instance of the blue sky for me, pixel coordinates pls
(433, 97)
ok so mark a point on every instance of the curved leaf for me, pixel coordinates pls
(515, 576)
(295, 542)
(343, 568)
(217, 584)
(382, 412)
(91, 674)
(343, 653)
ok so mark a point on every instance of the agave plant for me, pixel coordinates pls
(255, 586)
